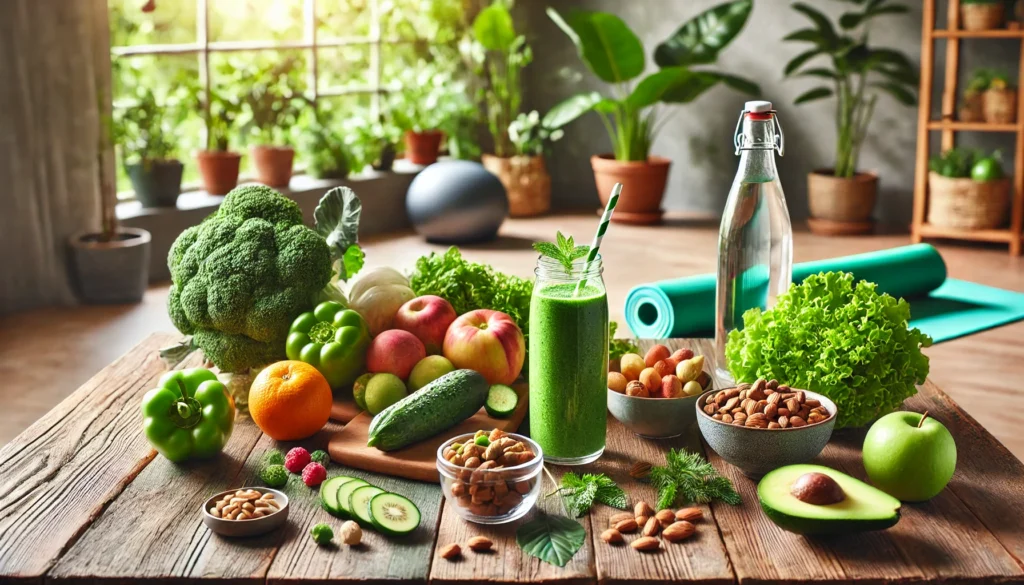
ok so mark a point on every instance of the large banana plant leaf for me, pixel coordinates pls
(493, 28)
(569, 109)
(701, 81)
(700, 39)
(605, 43)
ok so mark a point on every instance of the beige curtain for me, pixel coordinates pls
(54, 68)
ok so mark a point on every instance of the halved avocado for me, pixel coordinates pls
(864, 507)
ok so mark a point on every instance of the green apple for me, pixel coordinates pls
(427, 370)
(909, 456)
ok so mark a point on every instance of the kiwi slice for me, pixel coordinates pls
(501, 401)
(393, 514)
(344, 492)
(359, 503)
(329, 494)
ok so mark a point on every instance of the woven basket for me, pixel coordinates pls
(967, 204)
(973, 108)
(1000, 106)
(526, 182)
(985, 16)
(841, 199)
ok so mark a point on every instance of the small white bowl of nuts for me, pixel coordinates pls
(492, 477)
(246, 511)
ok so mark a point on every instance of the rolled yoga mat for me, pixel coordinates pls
(944, 308)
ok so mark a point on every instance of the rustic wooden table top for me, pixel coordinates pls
(84, 498)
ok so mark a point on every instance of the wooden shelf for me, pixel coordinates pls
(971, 126)
(928, 230)
(1000, 33)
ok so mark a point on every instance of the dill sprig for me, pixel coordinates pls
(687, 477)
(580, 492)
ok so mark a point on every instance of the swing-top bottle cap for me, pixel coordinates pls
(758, 106)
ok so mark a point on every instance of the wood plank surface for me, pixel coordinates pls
(60, 474)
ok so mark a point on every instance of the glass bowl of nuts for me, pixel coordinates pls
(491, 477)
(765, 425)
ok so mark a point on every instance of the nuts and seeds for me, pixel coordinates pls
(765, 405)
(479, 544)
(612, 536)
(245, 505)
(678, 531)
(480, 486)
(690, 514)
(640, 470)
(451, 552)
(646, 544)
(351, 533)
(660, 374)
(673, 526)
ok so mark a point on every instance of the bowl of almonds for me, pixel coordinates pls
(490, 476)
(246, 511)
(761, 426)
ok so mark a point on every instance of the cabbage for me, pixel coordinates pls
(839, 338)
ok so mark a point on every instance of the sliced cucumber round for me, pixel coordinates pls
(344, 491)
(501, 401)
(393, 514)
(359, 503)
(329, 494)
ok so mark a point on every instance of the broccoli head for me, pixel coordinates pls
(241, 276)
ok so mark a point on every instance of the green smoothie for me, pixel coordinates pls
(569, 372)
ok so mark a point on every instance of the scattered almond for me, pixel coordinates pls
(612, 536)
(626, 526)
(651, 527)
(641, 521)
(665, 517)
(450, 552)
(643, 509)
(690, 514)
(640, 470)
(646, 544)
(479, 544)
(616, 518)
(678, 531)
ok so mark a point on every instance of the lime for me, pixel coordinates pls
(382, 391)
(427, 370)
(359, 389)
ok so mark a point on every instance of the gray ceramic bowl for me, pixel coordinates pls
(246, 527)
(757, 451)
(653, 418)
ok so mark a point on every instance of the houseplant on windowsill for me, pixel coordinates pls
(614, 53)
(428, 105)
(841, 199)
(524, 175)
(112, 265)
(218, 164)
(144, 129)
(370, 141)
(322, 146)
(272, 108)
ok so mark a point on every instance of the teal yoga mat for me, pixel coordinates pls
(944, 308)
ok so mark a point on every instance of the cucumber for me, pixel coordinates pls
(393, 514)
(439, 405)
(344, 491)
(329, 494)
(501, 401)
(359, 503)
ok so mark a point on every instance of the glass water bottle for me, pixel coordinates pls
(755, 241)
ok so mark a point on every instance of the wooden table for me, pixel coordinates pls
(83, 498)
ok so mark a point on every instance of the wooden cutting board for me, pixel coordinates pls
(417, 461)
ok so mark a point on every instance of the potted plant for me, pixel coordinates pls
(999, 102)
(323, 147)
(524, 175)
(982, 14)
(430, 101)
(614, 54)
(841, 199)
(967, 190)
(498, 55)
(112, 265)
(145, 131)
(272, 107)
(370, 141)
(972, 109)
(218, 165)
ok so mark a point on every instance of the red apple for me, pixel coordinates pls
(489, 342)
(396, 352)
(428, 318)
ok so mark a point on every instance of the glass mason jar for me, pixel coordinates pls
(569, 361)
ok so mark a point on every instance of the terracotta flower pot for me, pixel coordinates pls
(422, 148)
(526, 181)
(643, 186)
(840, 205)
(157, 183)
(219, 170)
(273, 164)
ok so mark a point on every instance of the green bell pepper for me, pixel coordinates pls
(188, 415)
(332, 339)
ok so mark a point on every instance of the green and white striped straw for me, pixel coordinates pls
(595, 246)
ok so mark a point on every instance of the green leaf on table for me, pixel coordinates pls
(552, 539)
(699, 40)
(581, 492)
(605, 44)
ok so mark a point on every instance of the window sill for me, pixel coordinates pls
(381, 194)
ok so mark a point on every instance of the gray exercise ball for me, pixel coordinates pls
(456, 202)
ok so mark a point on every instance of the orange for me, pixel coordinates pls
(290, 400)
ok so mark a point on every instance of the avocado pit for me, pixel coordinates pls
(817, 489)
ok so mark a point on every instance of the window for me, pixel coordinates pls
(344, 56)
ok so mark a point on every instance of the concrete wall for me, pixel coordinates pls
(698, 136)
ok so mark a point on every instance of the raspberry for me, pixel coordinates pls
(296, 460)
(320, 457)
(314, 474)
(274, 476)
